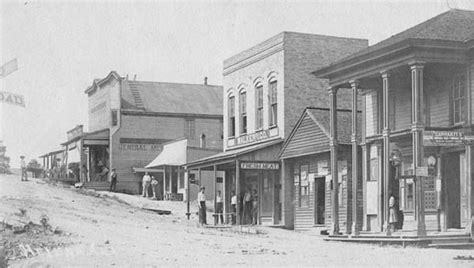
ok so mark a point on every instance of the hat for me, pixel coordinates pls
(202, 187)
(22, 156)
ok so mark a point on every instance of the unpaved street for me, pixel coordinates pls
(106, 231)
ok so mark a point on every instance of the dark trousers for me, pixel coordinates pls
(202, 213)
(24, 174)
(219, 212)
(113, 185)
(247, 213)
(234, 213)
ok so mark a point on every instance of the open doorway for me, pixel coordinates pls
(319, 199)
(453, 201)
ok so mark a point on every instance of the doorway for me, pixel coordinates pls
(451, 174)
(319, 199)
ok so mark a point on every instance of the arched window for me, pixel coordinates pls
(231, 115)
(243, 112)
(259, 106)
(273, 103)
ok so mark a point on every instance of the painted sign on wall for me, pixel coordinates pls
(260, 165)
(446, 138)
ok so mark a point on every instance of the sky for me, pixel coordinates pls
(61, 46)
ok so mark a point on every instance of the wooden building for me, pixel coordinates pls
(129, 121)
(306, 160)
(417, 93)
(266, 88)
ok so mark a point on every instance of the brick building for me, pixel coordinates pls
(130, 120)
(265, 90)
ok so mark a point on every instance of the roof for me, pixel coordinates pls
(163, 97)
(321, 119)
(233, 153)
(101, 134)
(173, 154)
(455, 25)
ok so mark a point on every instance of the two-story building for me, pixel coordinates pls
(417, 93)
(265, 90)
(129, 121)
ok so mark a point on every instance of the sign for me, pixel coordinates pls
(74, 133)
(8, 68)
(11, 98)
(311, 177)
(421, 171)
(253, 137)
(139, 147)
(260, 165)
(446, 138)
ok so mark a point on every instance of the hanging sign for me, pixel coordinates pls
(260, 165)
(446, 138)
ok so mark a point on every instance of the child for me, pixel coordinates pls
(392, 214)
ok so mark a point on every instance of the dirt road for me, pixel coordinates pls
(105, 231)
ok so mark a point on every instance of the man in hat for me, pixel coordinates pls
(202, 205)
(24, 175)
(113, 180)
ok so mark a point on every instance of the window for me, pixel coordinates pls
(243, 112)
(114, 118)
(458, 89)
(273, 103)
(304, 186)
(259, 115)
(190, 128)
(181, 179)
(231, 112)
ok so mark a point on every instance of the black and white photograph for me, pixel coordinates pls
(251, 133)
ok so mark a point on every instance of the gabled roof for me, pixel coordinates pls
(454, 26)
(97, 82)
(313, 130)
(163, 97)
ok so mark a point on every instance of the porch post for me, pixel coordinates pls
(334, 172)
(215, 188)
(237, 189)
(355, 160)
(188, 213)
(386, 149)
(417, 136)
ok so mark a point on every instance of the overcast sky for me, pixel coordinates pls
(62, 46)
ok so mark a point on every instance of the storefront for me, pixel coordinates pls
(306, 158)
(253, 170)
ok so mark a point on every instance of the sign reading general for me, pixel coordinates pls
(260, 165)
(11, 98)
(139, 147)
(446, 138)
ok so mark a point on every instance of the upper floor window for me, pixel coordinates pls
(231, 113)
(243, 112)
(272, 91)
(259, 100)
(458, 89)
(190, 128)
(114, 118)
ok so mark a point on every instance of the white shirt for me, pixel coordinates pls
(23, 163)
(201, 197)
(146, 178)
(219, 199)
(233, 200)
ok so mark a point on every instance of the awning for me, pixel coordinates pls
(138, 170)
(173, 154)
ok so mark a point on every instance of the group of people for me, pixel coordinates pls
(148, 181)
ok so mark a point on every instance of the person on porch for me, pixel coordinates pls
(146, 184)
(202, 205)
(233, 204)
(392, 214)
(219, 207)
(113, 180)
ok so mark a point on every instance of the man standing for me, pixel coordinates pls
(113, 180)
(202, 205)
(146, 184)
(24, 175)
(154, 185)
(233, 204)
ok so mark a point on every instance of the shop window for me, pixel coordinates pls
(243, 112)
(189, 128)
(231, 114)
(273, 93)
(410, 188)
(371, 111)
(114, 118)
(181, 179)
(458, 89)
(259, 98)
(304, 186)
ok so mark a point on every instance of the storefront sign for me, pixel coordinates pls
(12, 98)
(260, 165)
(446, 138)
(74, 133)
(139, 147)
(253, 137)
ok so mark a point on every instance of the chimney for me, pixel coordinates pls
(203, 140)
(205, 81)
(135, 77)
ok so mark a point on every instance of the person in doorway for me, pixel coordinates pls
(233, 204)
(219, 207)
(254, 207)
(392, 214)
(85, 173)
(104, 173)
(113, 180)
(154, 185)
(24, 175)
(146, 184)
(247, 207)
(202, 205)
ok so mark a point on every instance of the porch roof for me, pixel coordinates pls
(102, 134)
(451, 29)
(173, 154)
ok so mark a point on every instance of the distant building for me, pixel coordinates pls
(129, 121)
(266, 88)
